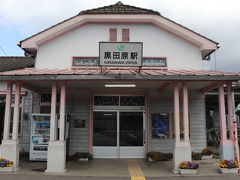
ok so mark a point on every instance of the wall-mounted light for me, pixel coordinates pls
(119, 85)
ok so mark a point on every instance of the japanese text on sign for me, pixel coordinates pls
(120, 54)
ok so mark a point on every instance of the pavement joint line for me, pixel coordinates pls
(135, 170)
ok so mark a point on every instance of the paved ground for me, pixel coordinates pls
(44, 177)
(107, 169)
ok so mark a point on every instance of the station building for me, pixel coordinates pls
(116, 81)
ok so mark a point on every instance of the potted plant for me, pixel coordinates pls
(228, 167)
(82, 156)
(152, 156)
(188, 167)
(207, 154)
(6, 165)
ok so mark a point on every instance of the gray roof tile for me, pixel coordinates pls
(8, 63)
(119, 8)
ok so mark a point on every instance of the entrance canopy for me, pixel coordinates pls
(117, 73)
(37, 79)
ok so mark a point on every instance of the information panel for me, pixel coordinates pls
(120, 53)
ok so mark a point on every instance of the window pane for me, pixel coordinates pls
(132, 101)
(113, 35)
(131, 129)
(105, 129)
(125, 34)
(106, 100)
(46, 98)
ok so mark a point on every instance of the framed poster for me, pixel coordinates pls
(160, 125)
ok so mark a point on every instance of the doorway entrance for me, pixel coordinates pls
(118, 134)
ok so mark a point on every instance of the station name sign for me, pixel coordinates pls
(120, 53)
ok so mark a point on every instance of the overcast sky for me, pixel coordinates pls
(219, 20)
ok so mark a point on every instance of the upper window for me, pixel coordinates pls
(125, 35)
(119, 100)
(113, 34)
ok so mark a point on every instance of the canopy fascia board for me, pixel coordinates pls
(121, 77)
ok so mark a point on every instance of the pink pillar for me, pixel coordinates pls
(185, 112)
(7, 111)
(53, 112)
(149, 132)
(62, 112)
(230, 109)
(16, 112)
(176, 113)
(90, 138)
(222, 114)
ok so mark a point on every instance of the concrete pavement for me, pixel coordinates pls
(46, 177)
(115, 169)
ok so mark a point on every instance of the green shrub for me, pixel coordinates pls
(196, 156)
(158, 156)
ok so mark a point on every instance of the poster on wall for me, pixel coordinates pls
(160, 125)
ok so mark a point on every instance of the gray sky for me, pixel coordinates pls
(219, 20)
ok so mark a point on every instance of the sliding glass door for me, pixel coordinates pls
(118, 134)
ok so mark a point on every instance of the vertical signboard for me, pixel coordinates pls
(120, 54)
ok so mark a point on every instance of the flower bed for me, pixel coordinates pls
(6, 165)
(187, 167)
(228, 167)
(229, 164)
(158, 156)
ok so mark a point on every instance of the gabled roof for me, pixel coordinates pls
(120, 13)
(119, 8)
(8, 63)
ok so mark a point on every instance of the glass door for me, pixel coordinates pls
(105, 136)
(131, 134)
(118, 134)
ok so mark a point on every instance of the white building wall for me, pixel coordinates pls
(84, 41)
(197, 123)
(78, 103)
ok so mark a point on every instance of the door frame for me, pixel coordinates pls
(117, 148)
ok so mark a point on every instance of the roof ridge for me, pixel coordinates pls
(118, 8)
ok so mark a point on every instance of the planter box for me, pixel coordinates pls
(83, 159)
(187, 171)
(228, 171)
(206, 157)
(6, 169)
